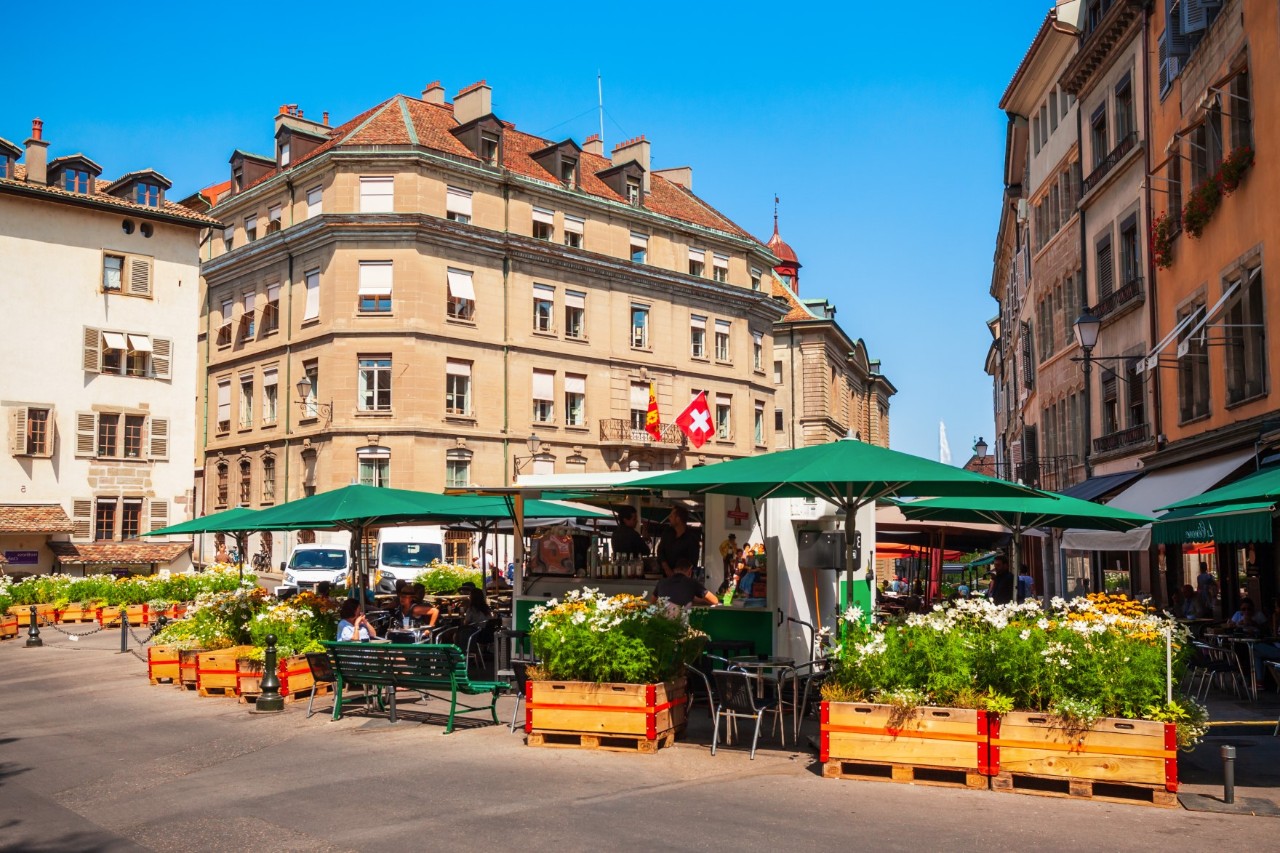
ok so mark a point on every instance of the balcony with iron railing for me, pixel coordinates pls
(1051, 473)
(1120, 439)
(1131, 294)
(619, 432)
(1123, 147)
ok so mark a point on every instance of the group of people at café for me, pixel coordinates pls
(679, 549)
(412, 607)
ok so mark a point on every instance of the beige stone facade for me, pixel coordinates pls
(446, 307)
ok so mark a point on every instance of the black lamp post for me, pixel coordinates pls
(980, 449)
(534, 444)
(310, 407)
(1087, 327)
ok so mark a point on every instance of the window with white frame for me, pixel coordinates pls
(757, 351)
(639, 406)
(457, 205)
(375, 383)
(544, 224)
(251, 227)
(457, 468)
(777, 373)
(573, 227)
(575, 314)
(228, 238)
(311, 311)
(724, 417)
(248, 324)
(246, 401)
(285, 153)
(377, 194)
(755, 278)
(457, 387)
(273, 218)
(639, 326)
(315, 201)
(758, 423)
(375, 287)
(246, 482)
(268, 479)
(374, 466)
(271, 310)
(697, 336)
(720, 267)
(270, 395)
(697, 261)
(311, 406)
(575, 399)
(544, 396)
(224, 328)
(462, 295)
(722, 340)
(223, 418)
(544, 306)
(112, 267)
(639, 248)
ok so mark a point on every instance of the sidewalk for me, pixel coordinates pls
(1257, 766)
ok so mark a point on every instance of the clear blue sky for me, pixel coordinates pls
(877, 126)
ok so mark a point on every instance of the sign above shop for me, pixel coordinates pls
(22, 558)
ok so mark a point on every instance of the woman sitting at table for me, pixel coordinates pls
(412, 607)
(353, 625)
(1187, 606)
(1247, 618)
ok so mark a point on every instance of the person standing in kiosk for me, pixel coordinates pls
(679, 541)
(626, 539)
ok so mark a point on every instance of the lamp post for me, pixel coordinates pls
(534, 444)
(980, 449)
(309, 406)
(1086, 328)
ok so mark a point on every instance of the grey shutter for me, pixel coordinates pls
(159, 514)
(1195, 14)
(159, 438)
(139, 277)
(1106, 270)
(92, 359)
(86, 433)
(1179, 43)
(18, 431)
(82, 518)
(161, 358)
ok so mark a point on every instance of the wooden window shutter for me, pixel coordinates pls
(50, 435)
(82, 518)
(159, 438)
(161, 358)
(18, 431)
(159, 515)
(92, 350)
(1106, 270)
(139, 277)
(86, 433)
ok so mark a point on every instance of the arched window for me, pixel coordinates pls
(457, 468)
(246, 482)
(375, 466)
(224, 474)
(268, 479)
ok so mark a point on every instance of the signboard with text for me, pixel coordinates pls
(22, 558)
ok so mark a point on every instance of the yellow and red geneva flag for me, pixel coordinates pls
(652, 423)
(695, 420)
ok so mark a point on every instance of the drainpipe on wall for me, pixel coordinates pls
(1084, 278)
(288, 383)
(1153, 325)
(506, 332)
(791, 367)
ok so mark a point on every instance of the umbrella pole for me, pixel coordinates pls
(1017, 566)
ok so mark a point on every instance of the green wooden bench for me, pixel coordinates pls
(418, 666)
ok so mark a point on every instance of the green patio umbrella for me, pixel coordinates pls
(848, 473)
(1042, 509)
(227, 521)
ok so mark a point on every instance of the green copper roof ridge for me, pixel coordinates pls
(408, 122)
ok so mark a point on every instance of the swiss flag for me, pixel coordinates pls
(695, 420)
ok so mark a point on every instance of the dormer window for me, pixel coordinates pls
(569, 172)
(237, 180)
(633, 192)
(147, 194)
(75, 180)
(4, 167)
(489, 149)
(284, 153)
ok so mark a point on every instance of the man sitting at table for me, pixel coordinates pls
(412, 607)
(680, 588)
(1247, 618)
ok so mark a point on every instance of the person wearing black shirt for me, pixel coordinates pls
(680, 588)
(1001, 591)
(679, 541)
(626, 539)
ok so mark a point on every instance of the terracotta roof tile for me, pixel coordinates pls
(118, 552)
(797, 310)
(34, 518)
(99, 194)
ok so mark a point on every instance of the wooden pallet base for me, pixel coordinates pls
(1084, 789)
(946, 777)
(217, 691)
(322, 689)
(613, 743)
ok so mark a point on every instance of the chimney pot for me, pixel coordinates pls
(37, 129)
(594, 145)
(433, 93)
(37, 155)
(473, 102)
(284, 108)
(636, 150)
(326, 118)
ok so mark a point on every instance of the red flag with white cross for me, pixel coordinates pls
(695, 420)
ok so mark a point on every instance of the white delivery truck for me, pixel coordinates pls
(405, 552)
(311, 563)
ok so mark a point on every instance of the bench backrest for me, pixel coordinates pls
(397, 663)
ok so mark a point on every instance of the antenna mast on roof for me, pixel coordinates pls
(600, 101)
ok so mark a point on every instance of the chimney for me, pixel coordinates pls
(473, 102)
(37, 158)
(594, 145)
(434, 93)
(326, 118)
(634, 150)
(680, 176)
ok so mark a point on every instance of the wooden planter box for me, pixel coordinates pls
(78, 612)
(176, 611)
(624, 717)
(162, 664)
(45, 614)
(294, 674)
(137, 614)
(937, 746)
(216, 672)
(8, 627)
(1123, 760)
(188, 661)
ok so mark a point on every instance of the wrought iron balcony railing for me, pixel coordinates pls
(1120, 439)
(1131, 293)
(620, 431)
(1123, 147)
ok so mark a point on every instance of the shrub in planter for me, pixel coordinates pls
(300, 625)
(446, 579)
(1163, 231)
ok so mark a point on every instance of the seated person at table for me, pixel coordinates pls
(626, 538)
(352, 624)
(1247, 618)
(680, 588)
(478, 610)
(1188, 606)
(412, 606)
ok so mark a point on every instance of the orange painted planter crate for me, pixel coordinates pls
(188, 660)
(8, 627)
(45, 614)
(294, 674)
(137, 614)
(864, 740)
(162, 664)
(216, 672)
(77, 612)
(633, 717)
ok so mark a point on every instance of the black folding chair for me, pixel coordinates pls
(512, 657)
(322, 673)
(738, 700)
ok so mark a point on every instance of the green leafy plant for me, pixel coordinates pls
(1163, 231)
(1234, 167)
(1189, 716)
(446, 579)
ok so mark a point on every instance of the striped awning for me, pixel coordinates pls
(1238, 523)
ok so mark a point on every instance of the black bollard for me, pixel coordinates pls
(1228, 774)
(269, 699)
(33, 631)
(124, 631)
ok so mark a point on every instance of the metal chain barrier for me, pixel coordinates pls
(55, 626)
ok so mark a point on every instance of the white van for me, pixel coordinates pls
(309, 564)
(405, 552)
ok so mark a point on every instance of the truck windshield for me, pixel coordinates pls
(409, 555)
(333, 558)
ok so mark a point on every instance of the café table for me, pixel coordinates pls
(771, 668)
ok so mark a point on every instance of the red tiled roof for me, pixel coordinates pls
(34, 518)
(118, 552)
(99, 194)
(384, 124)
(797, 311)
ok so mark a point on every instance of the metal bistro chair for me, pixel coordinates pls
(322, 673)
(512, 657)
(737, 699)
(1213, 662)
(799, 686)
(1274, 666)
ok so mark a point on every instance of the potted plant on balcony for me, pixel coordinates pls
(1234, 168)
(602, 652)
(1163, 231)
